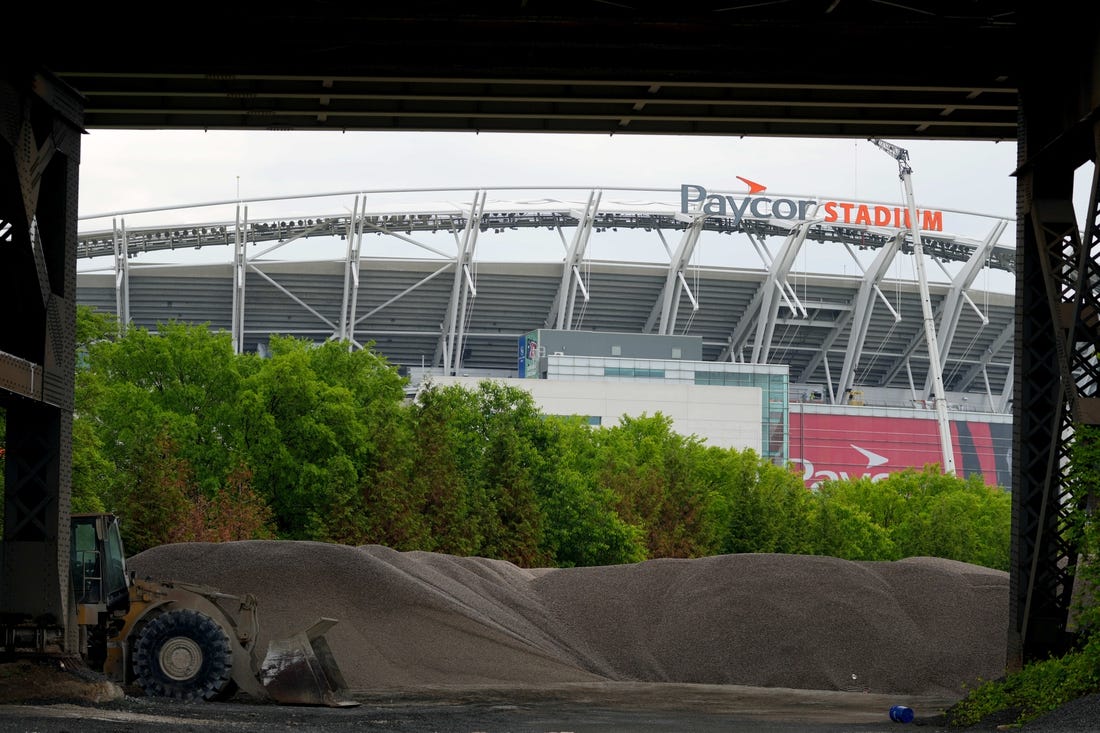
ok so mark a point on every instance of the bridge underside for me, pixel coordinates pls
(802, 68)
(845, 68)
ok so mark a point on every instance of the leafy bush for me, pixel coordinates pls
(1037, 688)
(1042, 686)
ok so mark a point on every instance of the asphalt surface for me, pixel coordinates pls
(619, 708)
(439, 717)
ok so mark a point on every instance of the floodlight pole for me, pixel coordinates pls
(935, 368)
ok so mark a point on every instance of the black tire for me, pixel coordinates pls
(185, 655)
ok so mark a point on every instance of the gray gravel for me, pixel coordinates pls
(918, 627)
(762, 643)
(1077, 716)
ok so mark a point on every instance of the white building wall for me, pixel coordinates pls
(722, 416)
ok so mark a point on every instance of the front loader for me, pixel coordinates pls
(188, 641)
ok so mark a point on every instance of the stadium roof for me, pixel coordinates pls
(454, 286)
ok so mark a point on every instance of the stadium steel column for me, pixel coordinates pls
(352, 263)
(952, 304)
(668, 303)
(862, 307)
(122, 276)
(1057, 330)
(40, 126)
(452, 337)
(240, 278)
(758, 318)
(561, 311)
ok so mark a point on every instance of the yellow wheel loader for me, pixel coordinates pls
(187, 641)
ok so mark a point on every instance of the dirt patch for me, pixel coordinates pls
(53, 681)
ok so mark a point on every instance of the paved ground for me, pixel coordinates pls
(580, 708)
(637, 708)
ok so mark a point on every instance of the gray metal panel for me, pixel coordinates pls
(513, 298)
(159, 298)
(630, 345)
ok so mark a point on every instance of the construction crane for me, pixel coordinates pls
(935, 367)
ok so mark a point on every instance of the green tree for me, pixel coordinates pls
(841, 530)
(1083, 530)
(234, 513)
(581, 525)
(756, 506)
(311, 428)
(187, 440)
(154, 417)
(496, 439)
(914, 513)
(93, 472)
(444, 487)
(92, 326)
(947, 516)
(315, 420)
(651, 470)
(181, 382)
(152, 497)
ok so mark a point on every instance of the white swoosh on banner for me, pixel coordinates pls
(873, 459)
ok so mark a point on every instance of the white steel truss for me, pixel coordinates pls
(565, 301)
(752, 313)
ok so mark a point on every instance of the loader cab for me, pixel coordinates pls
(98, 562)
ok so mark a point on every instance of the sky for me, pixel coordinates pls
(123, 172)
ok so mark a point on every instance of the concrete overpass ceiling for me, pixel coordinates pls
(807, 68)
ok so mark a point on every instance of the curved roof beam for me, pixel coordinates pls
(666, 307)
(1003, 339)
(863, 307)
(947, 314)
(952, 304)
(561, 311)
(766, 299)
(750, 316)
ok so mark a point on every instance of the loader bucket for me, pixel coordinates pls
(300, 670)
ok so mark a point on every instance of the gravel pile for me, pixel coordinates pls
(918, 626)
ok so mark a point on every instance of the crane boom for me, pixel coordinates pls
(935, 367)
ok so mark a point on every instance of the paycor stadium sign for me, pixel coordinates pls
(695, 199)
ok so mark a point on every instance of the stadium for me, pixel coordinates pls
(797, 325)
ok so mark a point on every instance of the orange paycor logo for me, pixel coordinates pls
(694, 198)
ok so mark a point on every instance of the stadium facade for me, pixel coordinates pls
(791, 324)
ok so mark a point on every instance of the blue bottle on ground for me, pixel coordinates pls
(901, 714)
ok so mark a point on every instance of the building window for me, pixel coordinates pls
(616, 350)
(634, 372)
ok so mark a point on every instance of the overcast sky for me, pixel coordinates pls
(124, 171)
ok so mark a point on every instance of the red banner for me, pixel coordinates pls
(854, 446)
